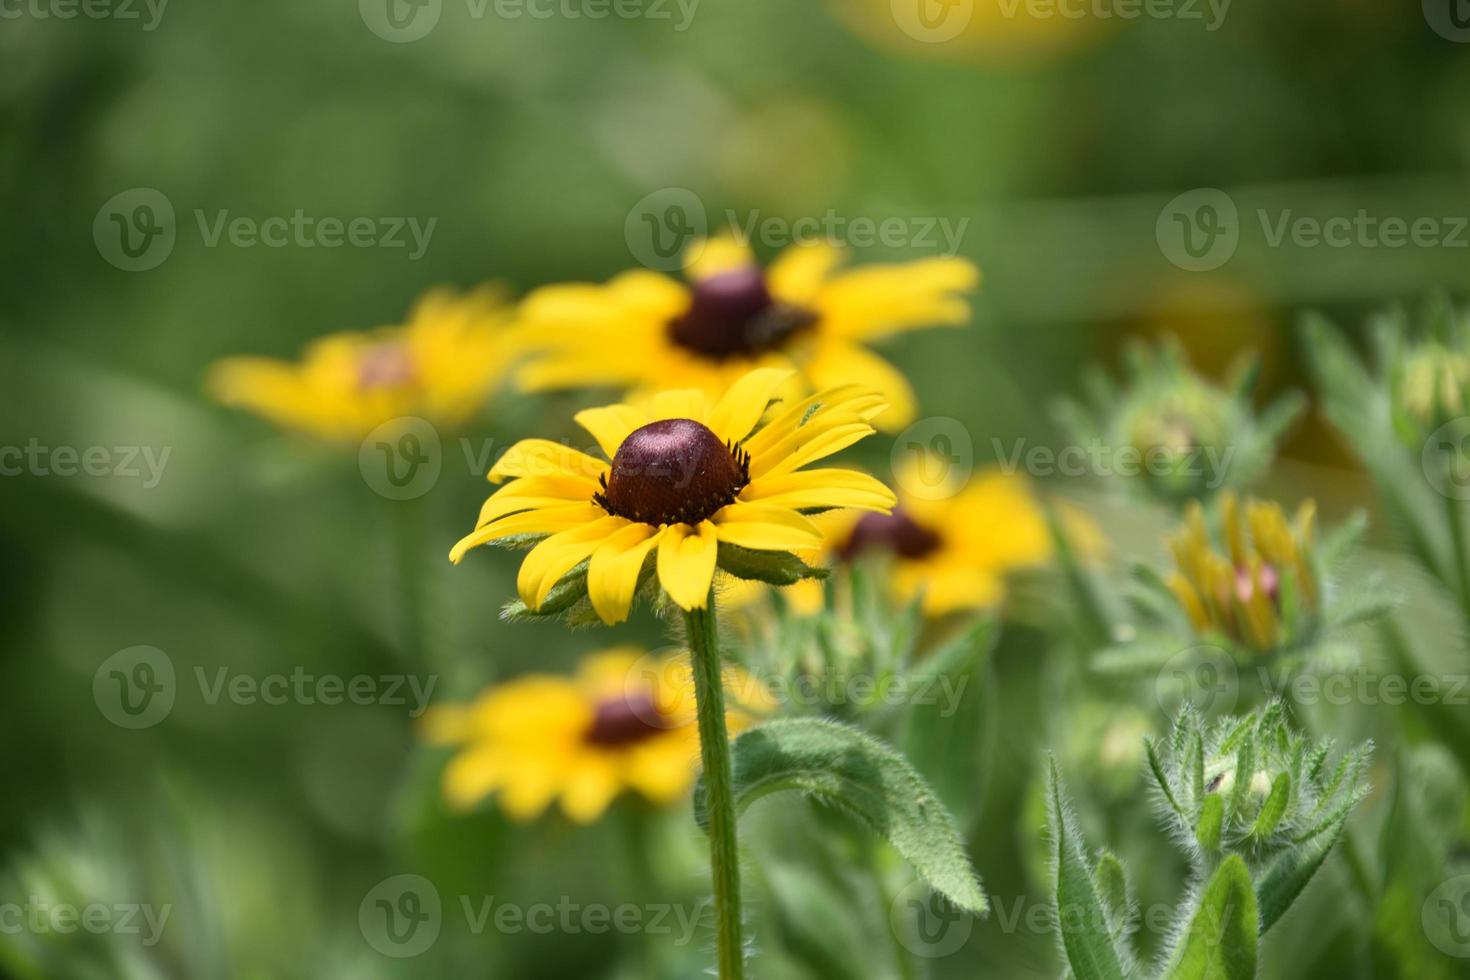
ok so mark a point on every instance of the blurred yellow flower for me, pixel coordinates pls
(956, 548)
(625, 721)
(441, 365)
(687, 476)
(1239, 593)
(643, 330)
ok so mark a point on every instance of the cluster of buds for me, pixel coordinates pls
(1262, 591)
(1253, 786)
(1195, 437)
(1428, 377)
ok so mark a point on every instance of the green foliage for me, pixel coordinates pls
(1220, 943)
(854, 772)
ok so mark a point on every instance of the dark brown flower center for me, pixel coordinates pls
(896, 532)
(733, 314)
(674, 471)
(385, 365)
(624, 720)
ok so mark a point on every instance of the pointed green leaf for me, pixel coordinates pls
(1081, 915)
(1220, 943)
(1211, 824)
(1285, 877)
(771, 567)
(1273, 809)
(853, 771)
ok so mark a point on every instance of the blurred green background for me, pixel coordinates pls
(530, 140)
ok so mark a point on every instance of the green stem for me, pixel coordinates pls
(902, 959)
(408, 542)
(714, 749)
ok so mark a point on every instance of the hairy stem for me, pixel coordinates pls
(714, 749)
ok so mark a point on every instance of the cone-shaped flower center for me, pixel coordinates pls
(674, 471)
(896, 532)
(733, 313)
(385, 365)
(623, 720)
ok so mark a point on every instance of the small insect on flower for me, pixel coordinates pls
(441, 364)
(643, 330)
(1264, 579)
(696, 483)
(625, 722)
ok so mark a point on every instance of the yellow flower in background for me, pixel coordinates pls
(957, 548)
(687, 474)
(441, 365)
(643, 330)
(625, 722)
(1239, 592)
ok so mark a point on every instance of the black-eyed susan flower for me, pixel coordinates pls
(624, 723)
(643, 330)
(440, 365)
(957, 549)
(1262, 589)
(688, 484)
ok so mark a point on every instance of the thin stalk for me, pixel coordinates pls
(1454, 515)
(714, 750)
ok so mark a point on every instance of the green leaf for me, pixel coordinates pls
(1211, 825)
(1081, 915)
(853, 771)
(1221, 941)
(1112, 887)
(1273, 809)
(771, 567)
(563, 595)
(1285, 877)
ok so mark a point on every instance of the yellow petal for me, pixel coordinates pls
(559, 554)
(711, 256)
(686, 563)
(765, 528)
(798, 273)
(611, 424)
(685, 403)
(535, 491)
(882, 299)
(590, 786)
(804, 446)
(826, 407)
(546, 520)
(837, 362)
(823, 488)
(745, 402)
(542, 457)
(473, 775)
(612, 576)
